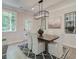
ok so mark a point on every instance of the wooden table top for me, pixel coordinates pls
(49, 37)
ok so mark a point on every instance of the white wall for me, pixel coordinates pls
(68, 39)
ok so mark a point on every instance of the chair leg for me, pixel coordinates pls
(51, 56)
(57, 58)
(43, 56)
(28, 53)
(35, 56)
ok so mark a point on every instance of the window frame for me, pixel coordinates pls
(10, 20)
(28, 25)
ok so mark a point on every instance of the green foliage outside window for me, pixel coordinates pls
(8, 21)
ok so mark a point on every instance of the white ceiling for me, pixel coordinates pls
(29, 4)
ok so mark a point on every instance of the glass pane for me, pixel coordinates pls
(28, 25)
(5, 23)
(13, 23)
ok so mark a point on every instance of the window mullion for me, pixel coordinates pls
(10, 22)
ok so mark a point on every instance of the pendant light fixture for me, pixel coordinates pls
(41, 13)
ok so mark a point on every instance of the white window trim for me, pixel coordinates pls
(10, 21)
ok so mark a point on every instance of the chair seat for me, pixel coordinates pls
(55, 49)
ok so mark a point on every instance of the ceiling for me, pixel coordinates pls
(32, 5)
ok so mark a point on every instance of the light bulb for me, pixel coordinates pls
(32, 8)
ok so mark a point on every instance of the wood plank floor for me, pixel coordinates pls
(72, 53)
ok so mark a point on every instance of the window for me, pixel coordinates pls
(28, 25)
(8, 21)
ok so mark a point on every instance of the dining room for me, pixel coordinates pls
(38, 29)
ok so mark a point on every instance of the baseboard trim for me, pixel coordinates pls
(73, 46)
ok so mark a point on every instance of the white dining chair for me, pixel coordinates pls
(55, 49)
(28, 37)
(37, 47)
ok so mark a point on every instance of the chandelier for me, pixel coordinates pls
(41, 14)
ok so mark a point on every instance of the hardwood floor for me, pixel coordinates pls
(72, 53)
